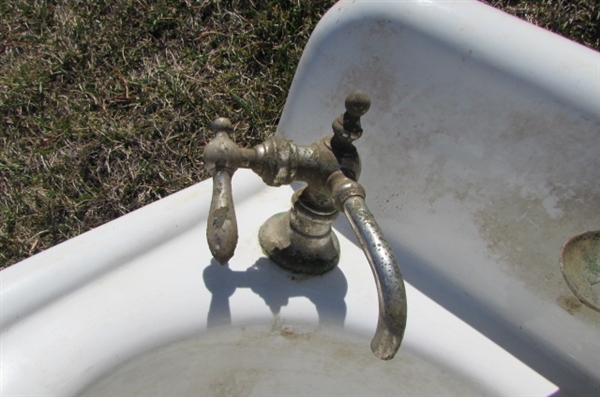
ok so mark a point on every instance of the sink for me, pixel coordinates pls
(258, 360)
(480, 160)
(151, 311)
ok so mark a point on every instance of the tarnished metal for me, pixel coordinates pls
(221, 157)
(301, 239)
(222, 231)
(349, 196)
(580, 265)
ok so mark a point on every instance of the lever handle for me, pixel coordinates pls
(222, 230)
(221, 158)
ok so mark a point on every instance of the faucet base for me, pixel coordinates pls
(296, 251)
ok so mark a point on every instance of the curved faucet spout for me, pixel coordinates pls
(349, 197)
(390, 284)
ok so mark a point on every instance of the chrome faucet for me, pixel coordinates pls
(301, 239)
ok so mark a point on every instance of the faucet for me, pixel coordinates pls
(301, 240)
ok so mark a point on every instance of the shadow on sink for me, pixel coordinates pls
(275, 286)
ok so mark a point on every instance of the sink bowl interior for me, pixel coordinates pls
(263, 360)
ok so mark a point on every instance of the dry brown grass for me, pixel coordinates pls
(578, 20)
(105, 104)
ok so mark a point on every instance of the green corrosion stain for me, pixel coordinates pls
(581, 267)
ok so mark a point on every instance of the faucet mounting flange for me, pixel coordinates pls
(301, 240)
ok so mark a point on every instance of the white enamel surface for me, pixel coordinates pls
(481, 157)
(67, 340)
(478, 163)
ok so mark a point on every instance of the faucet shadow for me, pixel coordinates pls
(275, 286)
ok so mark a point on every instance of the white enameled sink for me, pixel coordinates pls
(481, 157)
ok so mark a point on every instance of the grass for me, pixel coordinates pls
(578, 20)
(105, 105)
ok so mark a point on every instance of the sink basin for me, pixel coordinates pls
(152, 312)
(480, 159)
(259, 360)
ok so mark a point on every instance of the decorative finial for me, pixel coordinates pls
(347, 126)
(357, 103)
(222, 124)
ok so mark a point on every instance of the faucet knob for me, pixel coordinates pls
(222, 124)
(347, 127)
(357, 103)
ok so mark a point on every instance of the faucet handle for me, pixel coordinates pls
(347, 127)
(222, 158)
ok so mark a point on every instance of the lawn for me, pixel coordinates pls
(105, 105)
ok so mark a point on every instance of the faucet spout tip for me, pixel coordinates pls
(385, 345)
